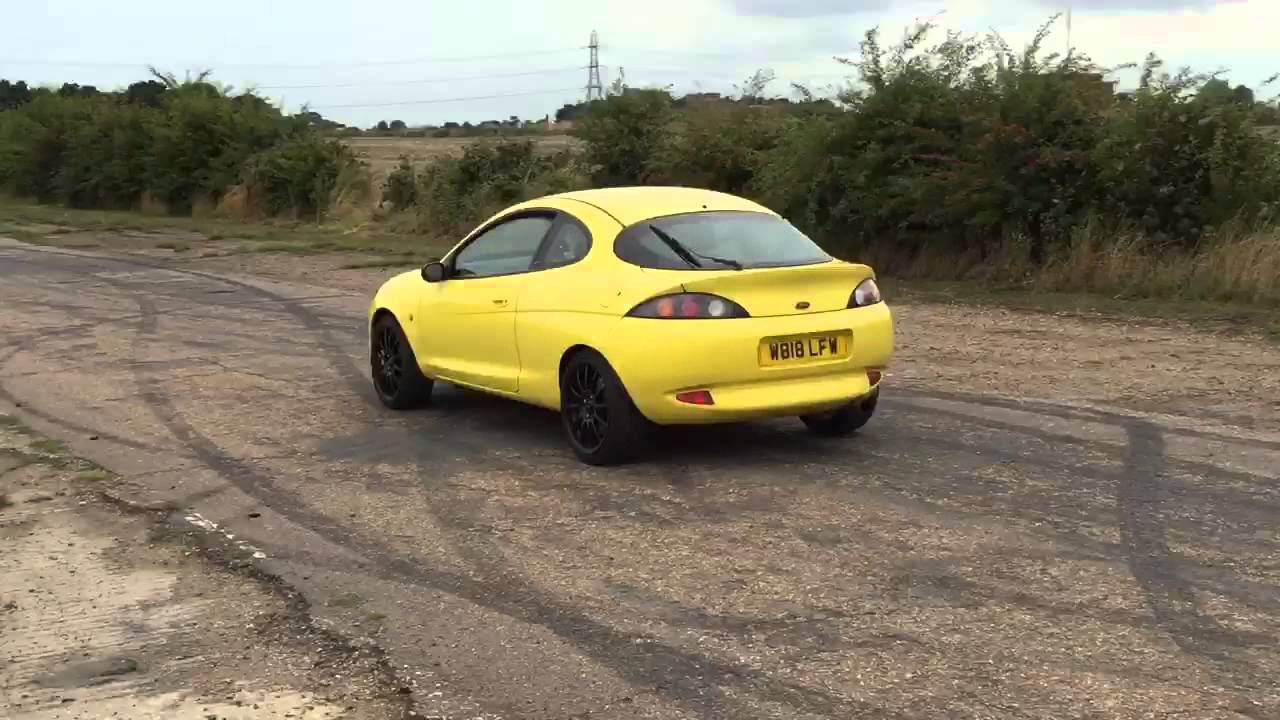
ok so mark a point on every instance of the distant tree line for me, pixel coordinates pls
(165, 142)
(17, 94)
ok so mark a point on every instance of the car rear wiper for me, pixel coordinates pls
(687, 254)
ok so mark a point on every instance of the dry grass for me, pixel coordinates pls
(353, 232)
(1235, 264)
(1238, 263)
(383, 153)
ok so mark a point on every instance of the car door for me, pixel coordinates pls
(575, 286)
(468, 330)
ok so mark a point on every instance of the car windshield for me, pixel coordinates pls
(717, 240)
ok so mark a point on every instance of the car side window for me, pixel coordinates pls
(502, 249)
(568, 243)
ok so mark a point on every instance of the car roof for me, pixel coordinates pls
(632, 204)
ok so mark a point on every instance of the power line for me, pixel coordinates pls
(662, 51)
(423, 82)
(368, 63)
(435, 101)
(723, 73)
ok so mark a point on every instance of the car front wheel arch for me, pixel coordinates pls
(377, 317)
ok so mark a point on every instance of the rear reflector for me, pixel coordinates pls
(873, 377)
(696, 397)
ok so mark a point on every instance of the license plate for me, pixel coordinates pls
(801, 349)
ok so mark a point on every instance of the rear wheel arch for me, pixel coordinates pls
(579, 348)
(568, 354)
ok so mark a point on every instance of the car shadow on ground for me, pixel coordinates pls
(536, 430)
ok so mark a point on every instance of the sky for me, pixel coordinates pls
(427, 62)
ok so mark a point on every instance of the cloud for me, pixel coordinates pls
(805, 8)
(1126, 5)
(1227, 30)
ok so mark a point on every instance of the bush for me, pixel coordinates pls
(106, 159)
(401, 186)
(187, 143)
(297, 176)
(719, 147)
(1176, 164)
(40, 134)
(17, 133)
(621, 133)
(200, 143)
(451, 194)
(965, 149)
(455, 192)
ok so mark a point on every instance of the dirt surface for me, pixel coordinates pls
(383, 154)
(1144, 365)
(109, 611)
(1048, 517)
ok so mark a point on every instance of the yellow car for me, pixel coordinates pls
(624, 308)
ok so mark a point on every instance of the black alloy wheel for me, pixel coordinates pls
(586, 408)
(396, 377)
(602, 424)
(388, 368)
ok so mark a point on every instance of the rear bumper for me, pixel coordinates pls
(657, 359)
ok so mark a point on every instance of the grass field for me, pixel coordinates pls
(373, 243)
(383, 153)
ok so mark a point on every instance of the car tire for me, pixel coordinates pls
(397, 379)
(844, 420)
(602, 424)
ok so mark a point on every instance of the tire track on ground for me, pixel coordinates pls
(663, 668)
(1152, 564)
(1138, 493)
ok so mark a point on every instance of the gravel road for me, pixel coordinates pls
(1050, 518)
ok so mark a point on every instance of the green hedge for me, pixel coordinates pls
(186, 143)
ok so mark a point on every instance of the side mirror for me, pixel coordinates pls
(433, 272)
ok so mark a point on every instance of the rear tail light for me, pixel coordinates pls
(688, 306)
(867, 293)
(696, 397)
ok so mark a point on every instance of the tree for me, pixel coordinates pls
(199, 86)
(1266, 114)
(397, 125)
(571, 112)
(146, 92)
(752, 89)
(1215, 92)
(318, 121)
(1242, 95)
(382, 125)
(76, 90)
(13, 95)
(619, 84)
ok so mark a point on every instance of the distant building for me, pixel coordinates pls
(703, 97)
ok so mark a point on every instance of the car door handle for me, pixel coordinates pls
(499, 301)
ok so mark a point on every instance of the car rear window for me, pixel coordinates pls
(717, 240)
